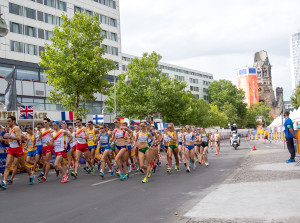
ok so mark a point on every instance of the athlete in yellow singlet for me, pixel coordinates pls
(92, 132)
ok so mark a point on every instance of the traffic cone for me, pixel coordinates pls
(253, 148)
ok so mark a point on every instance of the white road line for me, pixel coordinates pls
(110, 180)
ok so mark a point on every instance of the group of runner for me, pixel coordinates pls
(121, 147)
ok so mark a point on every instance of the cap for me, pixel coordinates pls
(63, 122)
(57, 122)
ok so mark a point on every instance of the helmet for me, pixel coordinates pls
(234, 125)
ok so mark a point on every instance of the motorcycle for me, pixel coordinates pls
(235, 140)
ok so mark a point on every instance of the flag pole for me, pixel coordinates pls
(15, 82)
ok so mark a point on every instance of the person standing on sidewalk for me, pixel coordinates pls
(289, 136)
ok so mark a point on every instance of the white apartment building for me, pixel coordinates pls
(295, 59)
(197, 81)
(30, 24)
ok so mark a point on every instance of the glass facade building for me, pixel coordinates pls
(295, 59)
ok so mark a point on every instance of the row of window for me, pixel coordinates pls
(193, 81)
(110, 35)
(30, 31)
(181, 78)
(102, 18)
(26, 48)
(184, 71)
(194, 88)
(205, 97)
(109, 3)
(53, 3)
(126, 59)
(206, 83)
(111, 50)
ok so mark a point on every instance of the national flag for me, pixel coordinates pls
(160, 126)
(134, 122)
(98, 119)
(121, 120)
(10, 94)
(26, 112)
(67, 116)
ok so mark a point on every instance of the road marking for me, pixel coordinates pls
(110, 180)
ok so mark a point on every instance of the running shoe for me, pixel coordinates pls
(122, 176)
(154, 169)
(64, 179)
(184, 163)
(126, 176)
(290, 160)
(41, 175)
(145, 180)
(138, 170)
(169, 170)
(89, 171)
(199, 163)
(101, 174)
(85, 168)
(194, 165)
(149, 175)
(42, 179)
(176, 168)
(188, 169)
(112, 173)
(142, 170)
(74, 174)
(197, 159)
(202, 161)
(130, 168)
(218, 153)
(3, 185)
(118, 173)
(9, 182)
(93, 170)
(133, 166)
(57, 172)
(206, 164)
(31, 179)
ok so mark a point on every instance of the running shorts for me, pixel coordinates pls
(189, 147)
(68, 148)
(102, 149)
(47, 149)
(39, 150)
(173, 147)
(204, 144)
(92, 147)
(82, 147)
(61, 153)
(144, 150)
(120, 147)
(179, 143)
(31, 153)
(16, 152)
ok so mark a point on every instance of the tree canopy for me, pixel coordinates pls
(295, 99)
(74, 62)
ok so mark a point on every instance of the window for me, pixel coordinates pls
(61, 5)
(76, 8)
(114, 51)
(16, 46)
(89, 12)
(15, 9)
(30, 49)
(193, 81)
(40, 1)
(27, 74)
(104, 33)
(41, 33)
(50, 19)
(16, 28)
(43, 77)
(114, 37)
(41, 48)
(50, 3)
(103, 19)
(29, 13)
(197, 96)
(40, 16)
(30, 31)
(193, 88)
(113, 22)
(5, 71)
(204, 90)
(59, 21)
(124, 67)
(49, 34)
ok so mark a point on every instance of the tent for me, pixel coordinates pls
(277, 124)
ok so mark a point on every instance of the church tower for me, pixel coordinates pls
(264, 82)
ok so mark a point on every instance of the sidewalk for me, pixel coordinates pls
(263, 189)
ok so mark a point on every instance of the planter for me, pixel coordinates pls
(26, 80)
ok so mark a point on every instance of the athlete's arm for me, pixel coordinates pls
(86, 136)
(69, 136)
(151, 137)
(128, 130)
(51, 141)
(113, 140)
(26, 144)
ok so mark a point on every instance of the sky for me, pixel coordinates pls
(213, 36)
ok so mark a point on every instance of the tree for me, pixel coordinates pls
(215, 117)
(295, 99)
(257, 110)
(222, 91)
(150, 91)
(74, 62)
(231, 112)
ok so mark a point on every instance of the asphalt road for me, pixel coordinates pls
(93, 199)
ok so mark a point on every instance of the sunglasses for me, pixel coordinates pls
(116, 122)
(101, 128)
(45, 122)
(143, 126)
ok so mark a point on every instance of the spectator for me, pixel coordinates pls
(297, 126)
(3, 141)
(289, 135)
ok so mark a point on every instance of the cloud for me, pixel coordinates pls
(215, 36)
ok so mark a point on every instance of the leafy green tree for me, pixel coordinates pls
(256, 110)
(295, 99)
(216, 117)
(231, 112)
(74, 62)
(222, 91)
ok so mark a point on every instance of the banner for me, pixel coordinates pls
(10, 95)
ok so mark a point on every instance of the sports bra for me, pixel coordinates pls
(119, 133)
(204, 137)
(104, 139)
(143, 137)
(170, 139)
(189, 137)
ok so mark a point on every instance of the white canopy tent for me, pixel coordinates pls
(277, 124)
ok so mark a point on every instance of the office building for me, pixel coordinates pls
(295, 59)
